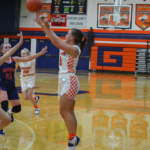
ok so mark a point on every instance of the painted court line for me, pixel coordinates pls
(33, 135)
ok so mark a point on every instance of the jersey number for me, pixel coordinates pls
(8, 76)
(26, 71)
(60, 62)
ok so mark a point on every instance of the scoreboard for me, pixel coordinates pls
(69, 6)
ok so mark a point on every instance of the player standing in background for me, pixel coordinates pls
(71, 50)
(27, 78)
(8, 90)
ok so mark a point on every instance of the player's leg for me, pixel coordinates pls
(14, 101)
(33, 101)
(73, 115)
(4, 106)
(30, 96)
(24, 90)
(4, 100)
(25, 94)
(16, 106)
(67, 101)
(31, 85)
(4, 119)
(65, 108)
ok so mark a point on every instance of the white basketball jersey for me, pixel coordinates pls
(68, 64)
(25, 68)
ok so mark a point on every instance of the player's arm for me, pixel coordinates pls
(73, 51)
(32, 70)
(17, 65)
(29, 58)
(12, 50)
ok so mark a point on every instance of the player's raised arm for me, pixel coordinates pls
(55, 39)
(12, 50)
(29, 58)
(46, 28)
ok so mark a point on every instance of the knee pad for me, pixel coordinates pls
(4, 105)
(16, 109)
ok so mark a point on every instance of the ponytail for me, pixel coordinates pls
(83, 43)
(80, 39)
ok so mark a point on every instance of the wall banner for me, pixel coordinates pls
(59, 20)
(45, 12)
(77, 21)
(142, 17)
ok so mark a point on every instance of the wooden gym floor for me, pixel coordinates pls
(113, 113)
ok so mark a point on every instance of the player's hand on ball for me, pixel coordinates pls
(38, 20)
(46, 23)
(44, 50)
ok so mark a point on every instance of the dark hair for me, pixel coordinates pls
(80, 38)
(1, 47)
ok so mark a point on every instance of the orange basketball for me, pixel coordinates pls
(33, 5)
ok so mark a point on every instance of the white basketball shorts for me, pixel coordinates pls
(69, 84)
(27, 83)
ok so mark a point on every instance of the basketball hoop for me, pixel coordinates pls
(111, 25)
(118, 2)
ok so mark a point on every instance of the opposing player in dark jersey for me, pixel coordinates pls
(8, 90)
(4, 117)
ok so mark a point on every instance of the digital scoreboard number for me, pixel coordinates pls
(69, 6)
